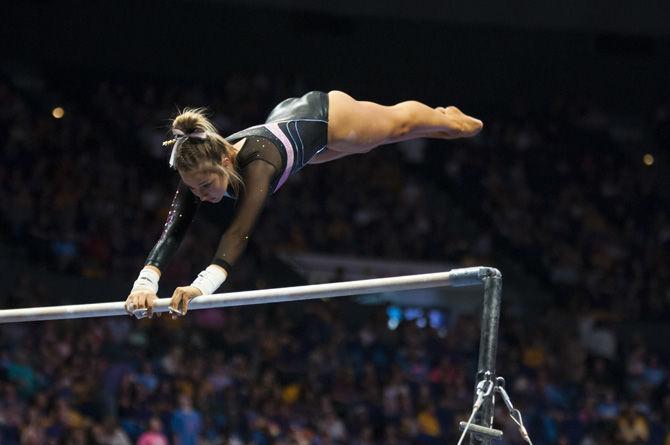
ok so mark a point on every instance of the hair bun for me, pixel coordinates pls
(193, 120)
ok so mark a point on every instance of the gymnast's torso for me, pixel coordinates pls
(297, 129)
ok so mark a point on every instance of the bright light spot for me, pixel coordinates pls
(648, 159)
(394, 317)
(436, 319)
(58, 112)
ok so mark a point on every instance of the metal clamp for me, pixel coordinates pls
(514, 413)
(484, 389)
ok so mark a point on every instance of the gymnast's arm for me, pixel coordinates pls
(259, 165)
(182, 210)
(258, 178)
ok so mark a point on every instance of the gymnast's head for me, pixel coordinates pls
(204, 159)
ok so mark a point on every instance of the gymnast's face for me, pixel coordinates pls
(206, 185)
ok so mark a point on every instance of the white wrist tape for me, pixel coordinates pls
(210, 279)
(147, 280)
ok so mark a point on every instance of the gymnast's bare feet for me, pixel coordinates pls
(464, 126)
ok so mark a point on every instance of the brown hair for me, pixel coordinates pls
(203, 154)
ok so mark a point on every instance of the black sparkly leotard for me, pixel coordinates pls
(294, 132)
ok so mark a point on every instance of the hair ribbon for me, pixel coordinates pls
(180, 137)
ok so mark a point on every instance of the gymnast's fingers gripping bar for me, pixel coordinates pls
(471, 276)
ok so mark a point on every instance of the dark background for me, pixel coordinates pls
(475, 53)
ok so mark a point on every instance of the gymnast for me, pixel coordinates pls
(254, 163)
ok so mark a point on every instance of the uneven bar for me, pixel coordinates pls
(471, 276)
(488, 348)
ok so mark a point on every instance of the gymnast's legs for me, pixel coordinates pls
(359, 126)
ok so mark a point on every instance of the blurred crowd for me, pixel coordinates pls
(556, 190)
(580, 208)
(318, 373)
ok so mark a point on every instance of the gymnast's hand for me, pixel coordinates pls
(180, 299)
(140, 303)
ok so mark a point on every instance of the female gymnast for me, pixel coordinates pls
(254, 163)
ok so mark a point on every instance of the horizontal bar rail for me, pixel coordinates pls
(470, 276)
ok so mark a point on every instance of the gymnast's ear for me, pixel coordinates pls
(225, 161)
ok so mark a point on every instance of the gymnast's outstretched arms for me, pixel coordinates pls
(258, 178)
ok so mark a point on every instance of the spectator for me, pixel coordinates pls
(109, 433)
(186, 422)
(155, 435)
(632, 427)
